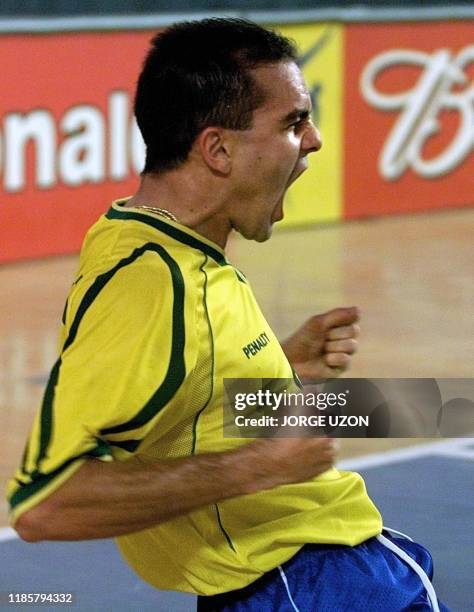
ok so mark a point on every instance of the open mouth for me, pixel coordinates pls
(301, 167)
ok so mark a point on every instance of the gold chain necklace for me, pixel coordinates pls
(159, 211)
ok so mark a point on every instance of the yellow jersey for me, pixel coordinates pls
(156, 319)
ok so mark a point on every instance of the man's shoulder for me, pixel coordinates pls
(116, 242)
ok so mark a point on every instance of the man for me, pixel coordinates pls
(158, 317)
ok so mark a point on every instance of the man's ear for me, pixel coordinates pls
(215, 149)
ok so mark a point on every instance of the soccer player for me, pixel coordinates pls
(128, 442)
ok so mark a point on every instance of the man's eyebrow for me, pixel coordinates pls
(298, 114)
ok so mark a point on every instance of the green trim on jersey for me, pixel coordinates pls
(174, 232)
(129, 445)
(176, 368)
(117, 211)
(42, 480)
(46, 416)
(227, 536)
(198, 414)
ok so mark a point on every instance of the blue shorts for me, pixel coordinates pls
(319, 578)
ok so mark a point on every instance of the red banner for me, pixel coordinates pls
(409, 117)
(68, 142)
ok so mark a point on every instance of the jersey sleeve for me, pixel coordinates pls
(127, 350)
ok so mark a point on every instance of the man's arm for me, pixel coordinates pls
(103, 500)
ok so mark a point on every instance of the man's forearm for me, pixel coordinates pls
(103, 500)
(109, 499)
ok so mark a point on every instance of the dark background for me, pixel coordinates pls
(44, 8)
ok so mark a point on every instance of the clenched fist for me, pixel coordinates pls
(278, 461)
(323, 346)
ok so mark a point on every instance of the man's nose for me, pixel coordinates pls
(312, 139)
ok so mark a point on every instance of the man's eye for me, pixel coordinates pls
(297, 125)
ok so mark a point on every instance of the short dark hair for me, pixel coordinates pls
(197, 74)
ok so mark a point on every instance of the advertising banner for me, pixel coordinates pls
(408, 117)
(68, 142)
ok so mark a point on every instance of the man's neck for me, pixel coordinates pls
(194, 202)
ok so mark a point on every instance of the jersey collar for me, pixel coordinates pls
(174, 230)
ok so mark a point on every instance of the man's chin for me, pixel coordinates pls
(264, 235)
(278, 213)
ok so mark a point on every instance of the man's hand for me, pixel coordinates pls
(323, 346)
(278, 461)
